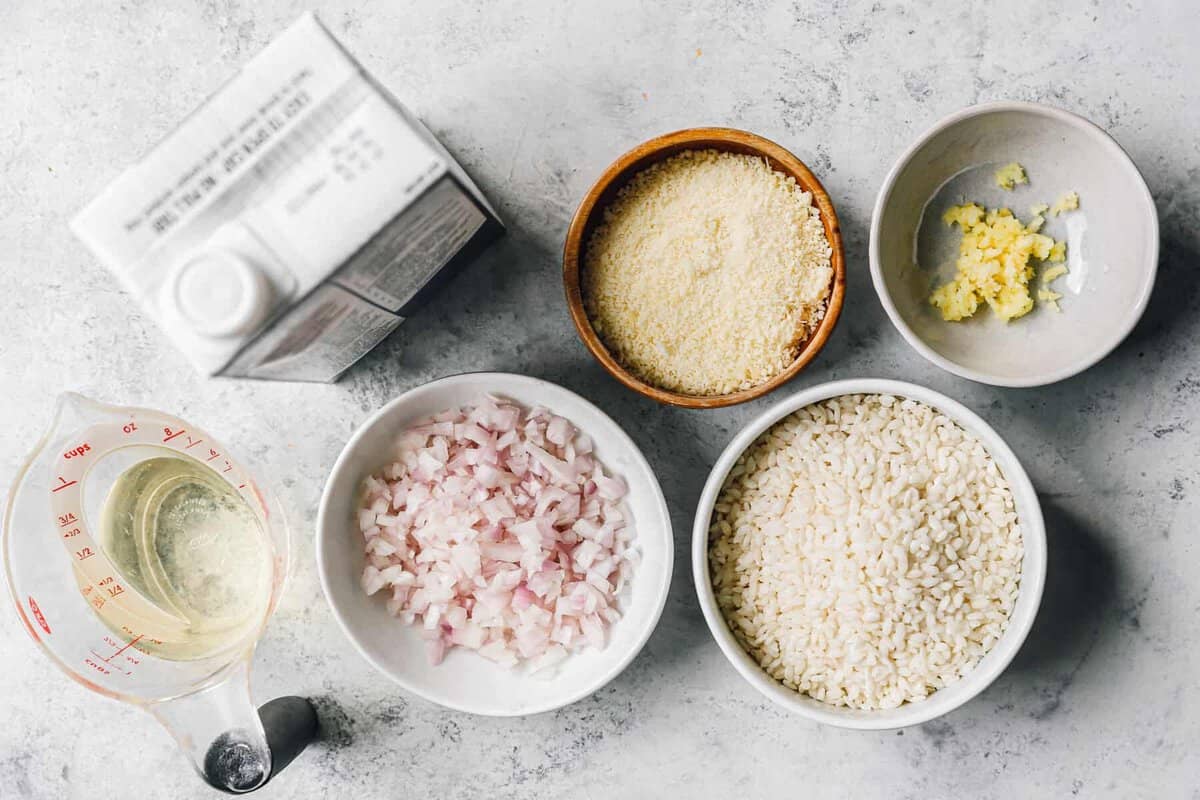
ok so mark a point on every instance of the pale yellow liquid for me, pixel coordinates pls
(192, 546)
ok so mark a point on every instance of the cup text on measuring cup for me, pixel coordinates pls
(78, 450)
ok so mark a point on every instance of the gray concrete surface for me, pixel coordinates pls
(536, 98)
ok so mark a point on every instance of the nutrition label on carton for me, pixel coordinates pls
(320, 338)
(409, 251)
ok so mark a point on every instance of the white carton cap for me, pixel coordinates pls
(217, 294)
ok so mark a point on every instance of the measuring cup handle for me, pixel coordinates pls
(231, 763)
(290, 724)
(234, 747)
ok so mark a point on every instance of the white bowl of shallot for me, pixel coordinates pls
(495, 544)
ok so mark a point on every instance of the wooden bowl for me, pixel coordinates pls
(604, 191)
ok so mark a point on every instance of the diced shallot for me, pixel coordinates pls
(497, 530)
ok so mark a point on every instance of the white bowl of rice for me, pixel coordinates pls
(869, 554)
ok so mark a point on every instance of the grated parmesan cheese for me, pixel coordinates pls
(709, 272)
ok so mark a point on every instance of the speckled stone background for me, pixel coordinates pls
(535, 99)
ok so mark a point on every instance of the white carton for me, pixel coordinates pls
(292, 221)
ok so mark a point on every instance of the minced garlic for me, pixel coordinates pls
(1068, 202)
(1010, 175)
(1053, 273)
(993, 263)
(1050, 298)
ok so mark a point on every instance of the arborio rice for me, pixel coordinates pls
(865, 551)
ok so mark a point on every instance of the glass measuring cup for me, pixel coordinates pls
(122, 626)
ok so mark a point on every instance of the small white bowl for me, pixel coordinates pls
(1112, 241)
(465, 681)
(1033, 566)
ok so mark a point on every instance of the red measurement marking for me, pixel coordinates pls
(98, 602)
(192, 444)
(66, 519)
(241, 485)
(62, 484)
(70, 533)
(98, 667)
(84, 553)
(211, 455)
(126, 647)
(171, 436)
(37, 614)
(228, 467)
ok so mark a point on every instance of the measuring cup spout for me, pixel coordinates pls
(234, 747)
(73, 411)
